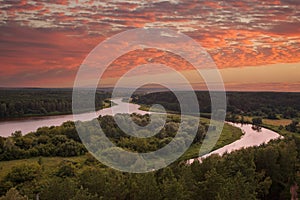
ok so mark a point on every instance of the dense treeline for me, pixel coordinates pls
(46, 141)
(64, 140)
(266, 172)
(292, 127)
(39, 102)
(265, 104)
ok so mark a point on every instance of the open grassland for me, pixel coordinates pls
(277, 122)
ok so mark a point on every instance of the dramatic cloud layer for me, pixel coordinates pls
(42, 43)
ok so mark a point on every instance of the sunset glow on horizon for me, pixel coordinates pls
(254, 43)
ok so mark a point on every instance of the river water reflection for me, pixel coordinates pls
(27, 125)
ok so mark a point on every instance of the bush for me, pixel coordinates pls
(23, 173)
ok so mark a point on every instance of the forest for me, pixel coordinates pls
(243, 107)
(266, 172)
(53, 163)
(17, 103)
(264, 104)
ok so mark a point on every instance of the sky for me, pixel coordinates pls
(255, 44)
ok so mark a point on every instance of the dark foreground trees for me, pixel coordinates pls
(265, 172)
(13, 194)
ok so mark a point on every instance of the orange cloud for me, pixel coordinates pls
(37, 37)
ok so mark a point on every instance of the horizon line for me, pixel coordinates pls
(177, 89)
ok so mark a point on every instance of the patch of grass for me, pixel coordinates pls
(144, 107)
(147, 108)
(274, 122)
(247, 119)
(229, 134)
(277, 122)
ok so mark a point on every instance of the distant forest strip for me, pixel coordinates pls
(16, 103)
(265, 104)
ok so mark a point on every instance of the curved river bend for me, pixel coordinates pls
(250, 138)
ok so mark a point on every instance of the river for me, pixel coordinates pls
(28, 125)
(250, 137)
